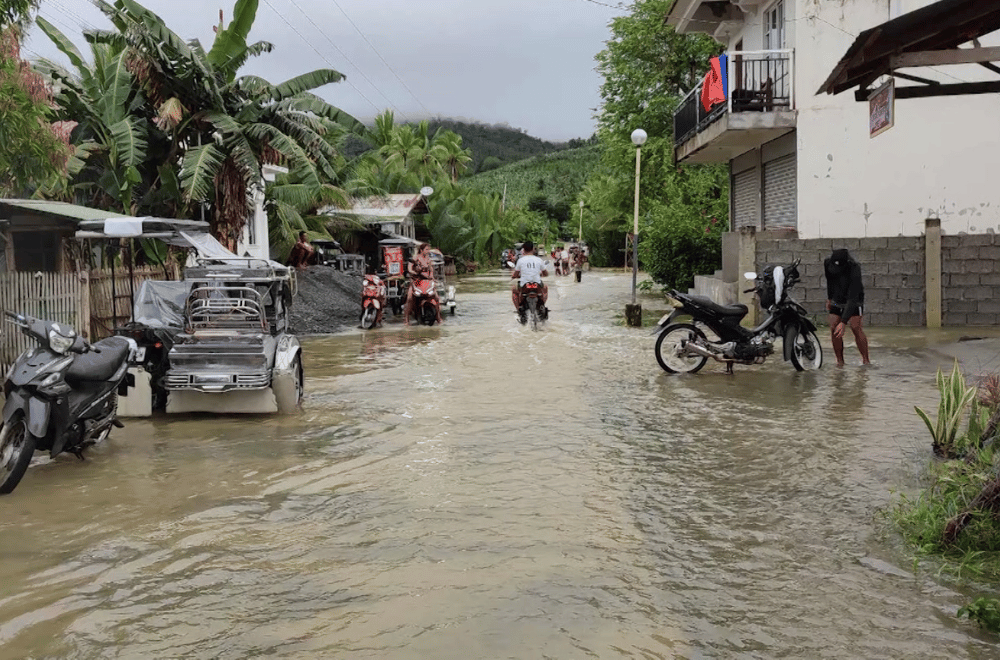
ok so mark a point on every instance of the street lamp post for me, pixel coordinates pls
(633, 312)
(580, 238)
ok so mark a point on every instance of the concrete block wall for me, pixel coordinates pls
(892, 269)
(970, 279)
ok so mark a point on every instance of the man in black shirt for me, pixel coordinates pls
(845, 295)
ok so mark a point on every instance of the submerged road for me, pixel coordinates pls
(477, 490)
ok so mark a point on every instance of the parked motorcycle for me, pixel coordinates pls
(682, 347)
(61, 395)
(373, 295)
(425, 301)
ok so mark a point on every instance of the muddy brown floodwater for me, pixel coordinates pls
(477, 490)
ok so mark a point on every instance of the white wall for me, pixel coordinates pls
(941, 159)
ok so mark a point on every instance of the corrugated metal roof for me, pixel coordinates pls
(382, 208)
(54, 209)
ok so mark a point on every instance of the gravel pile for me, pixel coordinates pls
(326, 301)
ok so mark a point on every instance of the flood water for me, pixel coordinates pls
(477, 490)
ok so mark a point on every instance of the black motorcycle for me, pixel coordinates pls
(61, 396)
(532, 310)
(682, 347)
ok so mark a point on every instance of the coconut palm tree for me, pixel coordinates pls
(456, 159)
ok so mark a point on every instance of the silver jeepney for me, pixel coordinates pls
(235, 353)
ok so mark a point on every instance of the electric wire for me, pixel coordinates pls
(379, 56)
(322, 56)
(83, 22)
(344, 55)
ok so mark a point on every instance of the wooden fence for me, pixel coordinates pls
(52, 296)
(111, 298)
(82, 300)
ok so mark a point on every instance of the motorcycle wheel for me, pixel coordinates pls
(428, 315)
(17, 446)
(368, 318)
(668, 346)
(807, 353)
(533, 312)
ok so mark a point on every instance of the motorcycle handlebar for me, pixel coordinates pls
(750, 290)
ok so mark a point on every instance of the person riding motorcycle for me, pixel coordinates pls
(420, 268)
(528, 268)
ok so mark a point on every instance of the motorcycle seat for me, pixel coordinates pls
(99, 366)
(737, 309)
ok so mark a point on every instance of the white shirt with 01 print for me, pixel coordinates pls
(531, 268)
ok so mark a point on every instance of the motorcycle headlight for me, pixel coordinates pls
(60, 343)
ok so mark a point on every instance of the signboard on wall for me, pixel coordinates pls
(881, 108)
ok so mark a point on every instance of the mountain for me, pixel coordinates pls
(501, 142)
(556, 176)
(492, 145)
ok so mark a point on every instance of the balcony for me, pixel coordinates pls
(759, 107)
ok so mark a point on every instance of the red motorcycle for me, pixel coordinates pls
(373, 294)
(425, 301)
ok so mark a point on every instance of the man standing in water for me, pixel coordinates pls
(528, 268)
(845, 295)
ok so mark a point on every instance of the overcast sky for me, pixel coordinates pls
(527, 63)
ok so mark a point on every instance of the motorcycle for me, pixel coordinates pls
(425, 301)
(373, 295)
(61, 396)
(682, 347)
(532, 308)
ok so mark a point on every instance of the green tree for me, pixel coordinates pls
(33, 151)
(647, 68)
(103, 99)
(196, 111)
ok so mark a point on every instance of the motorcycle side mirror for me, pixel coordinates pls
(750, 275)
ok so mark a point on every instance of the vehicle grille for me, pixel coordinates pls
(216, 382)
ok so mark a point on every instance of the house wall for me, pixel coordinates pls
(894, 275)
(938, 160)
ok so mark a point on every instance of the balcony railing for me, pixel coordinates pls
(758, 81)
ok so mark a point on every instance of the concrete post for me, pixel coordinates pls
(932, 270)
(747, 263)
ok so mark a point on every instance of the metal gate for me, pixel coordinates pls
(746, 199)
(780, 198)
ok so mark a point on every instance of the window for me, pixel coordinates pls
(774, 27)
(36, 250)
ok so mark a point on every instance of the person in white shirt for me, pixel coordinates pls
(528, 268)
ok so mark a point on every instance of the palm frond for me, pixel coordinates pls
(128, 142)
(307, 102)
(64, 45)
(305, 82)
(198, 170)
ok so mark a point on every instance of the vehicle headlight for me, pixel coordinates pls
(60, 343)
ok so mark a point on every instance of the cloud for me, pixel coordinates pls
(529, 63)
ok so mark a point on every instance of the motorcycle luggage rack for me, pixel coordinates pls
(226, 307)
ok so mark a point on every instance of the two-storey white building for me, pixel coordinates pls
(803, 166)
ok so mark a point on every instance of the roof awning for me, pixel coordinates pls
(57, 210)
(926, 37)
(112, 226)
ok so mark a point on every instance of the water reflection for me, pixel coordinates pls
(479, 490)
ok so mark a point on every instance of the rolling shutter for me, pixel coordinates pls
(745, 199)
(780, 194)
